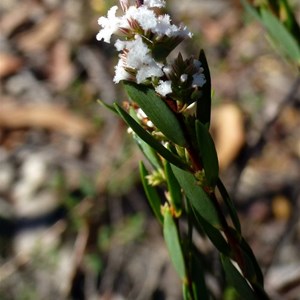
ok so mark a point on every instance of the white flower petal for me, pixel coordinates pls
(155, 3)
(120, 72)
(110, 25)
(164, 87)
(198, 80)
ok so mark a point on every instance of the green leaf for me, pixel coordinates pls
(186, 292)
(108, 106)
(157, 111)
(204, 103)
(230, 206)
(259, 275)
(237, 280)
(173, 244)
(208, 153)
(151, 193)
(149, 139)
(251, 10)
(174, 188)
(213, 234)
(197, 196)
(149, 152)
(283, 38)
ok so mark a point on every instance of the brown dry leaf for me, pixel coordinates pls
(9, 64)
(61, 69)
(11, 20)
(228, 128)
(42, 35)
(51, 117)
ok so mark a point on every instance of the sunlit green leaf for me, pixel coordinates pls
(173, 244)
(174, 188)
(208, 153)
(157, 111)
(197, 196)
(251, 10)
(148, 138)
(108, 106)
(149, 152)
(283, 38)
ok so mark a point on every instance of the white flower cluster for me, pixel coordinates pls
(140, 27)
(145, 39)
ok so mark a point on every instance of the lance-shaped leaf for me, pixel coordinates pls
(237, 280)
(259, 275)
(157, 111)
(148, 138)
(204, 103)
(149, 152)
(213, 234)
(151, 193)
(174, 188)
(173, 244)
(197, 196)
(208, 153)
(230, 206)
(251, 10)
(283, 38)
(108, 106)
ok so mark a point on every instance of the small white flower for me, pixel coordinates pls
(155, 3)
(136, 56)
(150, 124)
(120, 72)
(198, 80)
(143, 15)
(147, 71)
(197, 63)
(140, 114)
(110, 25)
(164, 27)
(164, 87)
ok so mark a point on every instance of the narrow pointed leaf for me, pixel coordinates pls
(208, 153)
(213, 234)
(108, 106)
(148, 138)
(149, 152)
(197, 196)
(283, 38)
(173, 244)
(259, 275)
(174, 188)
(251, 10)
(230, 206)
(237, 280)
(157, 111)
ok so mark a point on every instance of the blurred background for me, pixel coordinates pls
(74, 222)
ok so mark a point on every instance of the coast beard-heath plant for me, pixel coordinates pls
(168, 114)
